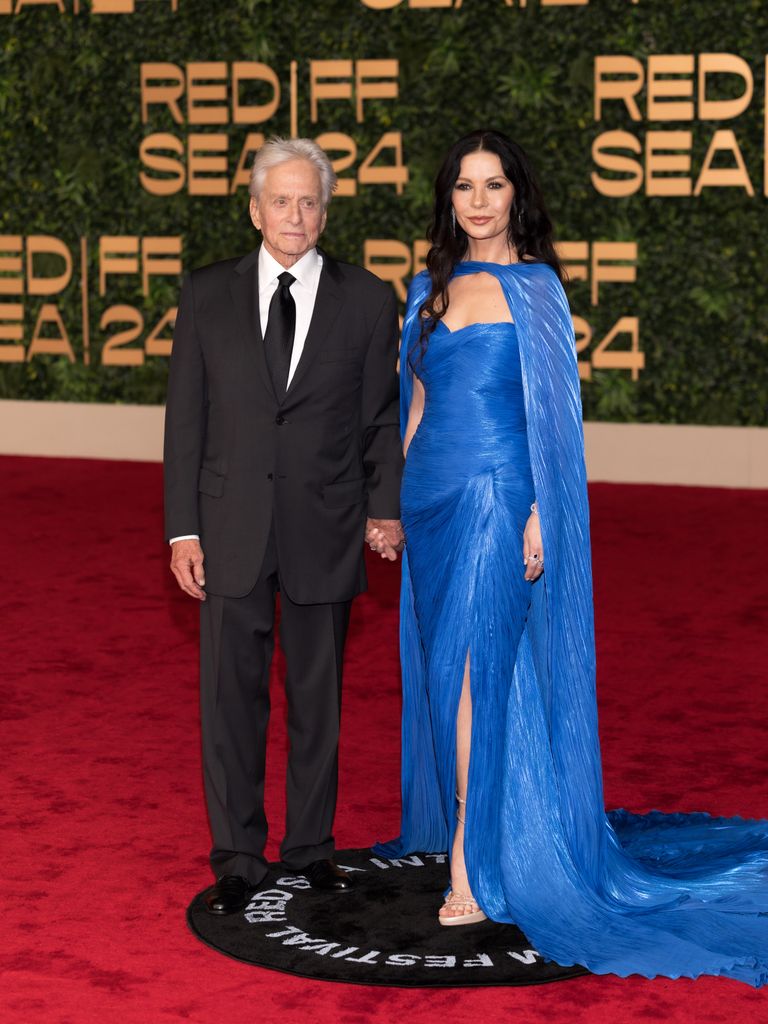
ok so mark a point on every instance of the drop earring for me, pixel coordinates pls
(453, 220)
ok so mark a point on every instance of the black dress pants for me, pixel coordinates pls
(236, 645)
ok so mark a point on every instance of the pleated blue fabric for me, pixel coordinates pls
(657, 894)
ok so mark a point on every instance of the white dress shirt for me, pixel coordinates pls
(304, 291)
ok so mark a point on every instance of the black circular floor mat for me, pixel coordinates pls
(384, 932)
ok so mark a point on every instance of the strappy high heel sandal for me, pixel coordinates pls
(457, 900)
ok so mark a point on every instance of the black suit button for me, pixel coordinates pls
(279, 420)
(269, 476)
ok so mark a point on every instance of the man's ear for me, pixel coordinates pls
(323, 219)
(253, 209)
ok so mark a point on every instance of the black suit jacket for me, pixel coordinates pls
(319, 460)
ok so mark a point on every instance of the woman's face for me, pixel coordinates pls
(482, 196)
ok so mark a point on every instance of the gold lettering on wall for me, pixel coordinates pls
(668, 163)
(612, 262)
(375, 80)
(677, 87)
(58, 4)
(606, 157)
(625, 89)
(244, 93)
(332, 80)
(118, 254)
(328, 80)
(11, 332)
(167, 94)
(206, 95)
(11, 263)
(122, 6)
(242, 176)
(11, 313)
(724, 63)
(670, 99)
(122, 256)
(207, 173)
(46, 245)
(160, 257)
(44, 266)
(114, 351)
(47, 344)
(726, 177)
(456, 5)
(153, 155)
(81, 6)
(254, 71)
(112, 6)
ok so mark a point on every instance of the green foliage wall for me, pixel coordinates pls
(70, 128)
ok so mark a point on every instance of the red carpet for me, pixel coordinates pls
(104, 833)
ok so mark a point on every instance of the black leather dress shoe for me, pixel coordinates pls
(324, 874)
(230, 894)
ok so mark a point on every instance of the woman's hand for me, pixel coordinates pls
(533, 549)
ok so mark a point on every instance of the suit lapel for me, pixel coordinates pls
(327, 305)
(244, 289)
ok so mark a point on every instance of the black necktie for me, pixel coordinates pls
(278, 339)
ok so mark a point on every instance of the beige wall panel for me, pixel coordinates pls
(661, 454)
(82, 430)
(618, 452)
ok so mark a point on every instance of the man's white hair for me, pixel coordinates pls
(278, 151)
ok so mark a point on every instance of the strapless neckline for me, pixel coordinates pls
(467, 266)
(466, 327)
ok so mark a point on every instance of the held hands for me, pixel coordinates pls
(187, 567)
(385, 536)
(533, 549)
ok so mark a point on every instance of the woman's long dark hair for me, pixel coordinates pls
(530, 231)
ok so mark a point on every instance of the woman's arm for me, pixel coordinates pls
(415, 412)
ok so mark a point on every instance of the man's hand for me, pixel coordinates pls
(187, 567)
(385, 536)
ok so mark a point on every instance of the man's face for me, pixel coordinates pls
(289, 210)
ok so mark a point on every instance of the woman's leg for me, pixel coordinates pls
(459, 880)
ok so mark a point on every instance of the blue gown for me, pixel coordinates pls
(657, 894)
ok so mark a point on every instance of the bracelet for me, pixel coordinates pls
(535, 508)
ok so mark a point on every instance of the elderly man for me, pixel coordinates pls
(282, 454)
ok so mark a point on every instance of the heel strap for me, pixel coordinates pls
(456, 899)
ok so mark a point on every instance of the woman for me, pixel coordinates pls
(501, 763)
